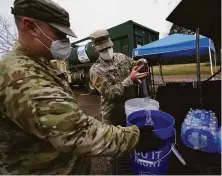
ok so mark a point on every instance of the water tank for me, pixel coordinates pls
(82, 54)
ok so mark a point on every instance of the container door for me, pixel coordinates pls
(121, 45)
(143, 37)
(117, 45)
(125, 46)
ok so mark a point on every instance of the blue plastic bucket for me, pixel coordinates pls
(155, 162)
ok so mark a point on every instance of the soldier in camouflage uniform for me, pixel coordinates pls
(42, 129)
(113, 75)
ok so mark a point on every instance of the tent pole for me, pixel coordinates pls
(154, 91)
(161, 73)
(150, 81)
(215, 61)
(211, 64)
(198, 66)
(198, 54)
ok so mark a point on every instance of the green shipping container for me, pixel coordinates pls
(126, 37)
(130, 35)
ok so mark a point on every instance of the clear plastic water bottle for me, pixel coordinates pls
(185, 127)
(215, 124)
(212, 125)
(202, 125)
(186, 121)
(202, 115)
(203, 141)
(219, 141)
(205, 128)
(191, 112)
(194, 139)
(189, 117)
(208, 115)
(213, 116)
(213, 129)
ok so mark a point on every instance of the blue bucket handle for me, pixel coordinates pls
(154, 162)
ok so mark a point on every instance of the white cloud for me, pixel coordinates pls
(89, 15)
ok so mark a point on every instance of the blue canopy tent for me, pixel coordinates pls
(176, 45)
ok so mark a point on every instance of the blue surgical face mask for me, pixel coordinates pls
(60, 49)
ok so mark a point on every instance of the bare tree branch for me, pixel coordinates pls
(175, 29)
(8, 35)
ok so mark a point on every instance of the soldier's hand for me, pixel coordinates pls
(135, 75)
(148, 140)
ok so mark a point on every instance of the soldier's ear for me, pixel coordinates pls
(29, 26)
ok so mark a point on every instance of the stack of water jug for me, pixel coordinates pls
(200, 131)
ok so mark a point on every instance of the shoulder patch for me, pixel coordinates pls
(98, 80)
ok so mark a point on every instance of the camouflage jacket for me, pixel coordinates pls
(115, 86)
(42, 129)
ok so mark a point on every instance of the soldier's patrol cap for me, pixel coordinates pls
(101, 39)
(46, 11)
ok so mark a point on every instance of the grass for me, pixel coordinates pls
(184, 69)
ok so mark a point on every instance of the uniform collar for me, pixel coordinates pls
(27, 51)
(108, 65)
(43, 62)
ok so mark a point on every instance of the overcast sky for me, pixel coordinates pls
(89, 15)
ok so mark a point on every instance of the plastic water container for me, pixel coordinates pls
(138, 104)
(199, 131)
(155, 162)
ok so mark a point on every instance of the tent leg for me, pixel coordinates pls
(154, 91)
(215, 61)
(211, 64)
(161, 73)
(198, 67)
